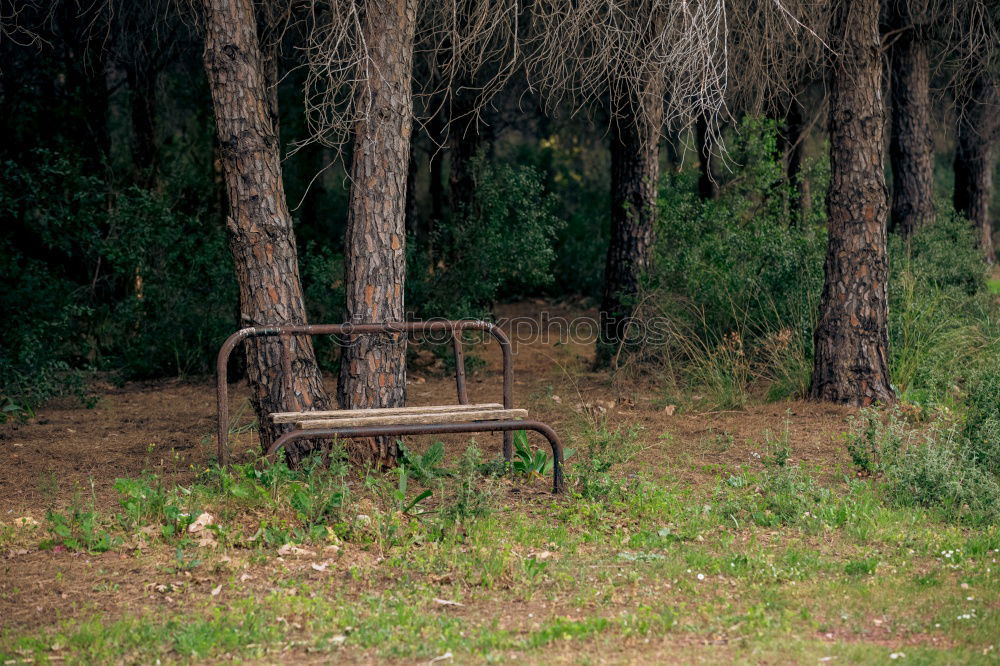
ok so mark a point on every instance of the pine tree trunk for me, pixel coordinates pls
(974, 161)
(260, 227)
(911, 146)
(635, 176)
(852, 338)
(794, 138)
(708, 186)
(142, 114)
(373, 368)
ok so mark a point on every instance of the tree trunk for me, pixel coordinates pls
(794, 138)
(466, 137)
(708, 186)
(852, 337)
(373, 368)
(635, 176)
(142, 113)
(260, 227)
(910, 146)
(974, 161)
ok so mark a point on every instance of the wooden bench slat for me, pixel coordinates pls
(292, 417)
(411, 419)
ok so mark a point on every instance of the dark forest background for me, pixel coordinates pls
(114, 256)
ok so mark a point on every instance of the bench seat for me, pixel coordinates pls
(351, 418)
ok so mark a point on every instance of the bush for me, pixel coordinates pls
(104, 280)
(939, 468)
(737, 279)
(502, 244)
(942, 325)
(982, 422)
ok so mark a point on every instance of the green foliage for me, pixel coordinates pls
(532, 463)
(732, 298)
(117, 281)
(576, 171)
(942, 326)
(501, 245)
(473, 496)
(426, 466)
(145, 502)
(937, 468)
(872, 442)
(982, 421)
(78, 529)
(605, 447)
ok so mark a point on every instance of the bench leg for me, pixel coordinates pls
(558, 479)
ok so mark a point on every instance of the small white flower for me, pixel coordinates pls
(701, 576)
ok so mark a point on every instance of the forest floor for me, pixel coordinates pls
(686, 552)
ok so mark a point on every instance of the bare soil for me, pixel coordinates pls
(70, 454)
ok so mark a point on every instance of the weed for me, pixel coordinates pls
(79, 530)
(605, 447)
(874, 442)
(532, 463)
(474, 496)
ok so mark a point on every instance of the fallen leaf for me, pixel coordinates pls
(216, 590)
(292, 549)
(320, 566)
(669, 410)
(448, 602)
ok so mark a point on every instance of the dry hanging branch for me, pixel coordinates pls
(455, 40)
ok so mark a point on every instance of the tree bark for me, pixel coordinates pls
(373, 368)
(974, 161)
(260, 227)
(911, 145)
(635, 176)
(852, 337)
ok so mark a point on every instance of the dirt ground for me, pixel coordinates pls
(68, 453)
(168, 426)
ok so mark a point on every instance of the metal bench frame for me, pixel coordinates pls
(455, 328)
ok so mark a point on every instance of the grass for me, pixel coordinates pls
(763, 564)
(994, 285)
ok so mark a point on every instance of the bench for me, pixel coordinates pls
(392, 421)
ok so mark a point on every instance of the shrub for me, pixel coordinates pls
(736, 282)
(938, 468)
(502, 244)
(103, 279)
(982, 421)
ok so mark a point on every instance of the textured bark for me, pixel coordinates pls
(911, 145)
(635, 175)
(852, 338)
(260, 227)
(373, 368)
(974, 160)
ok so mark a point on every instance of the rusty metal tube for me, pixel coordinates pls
(558, 479)
(463, 396)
